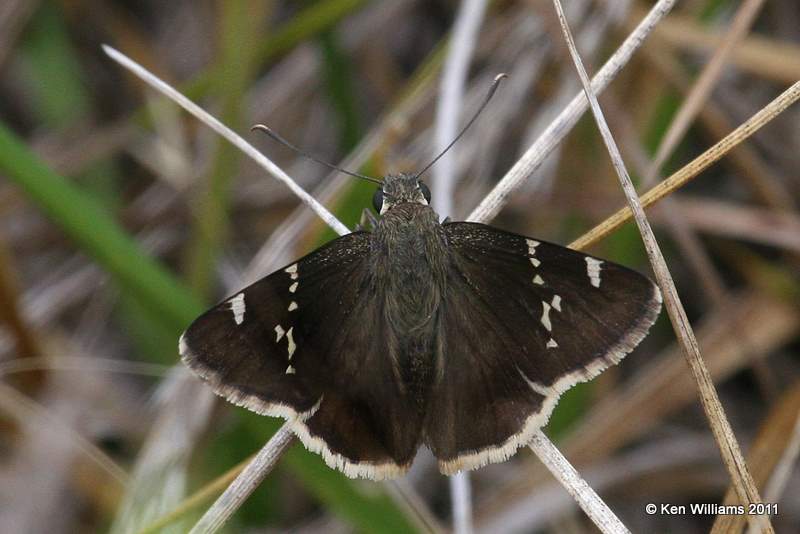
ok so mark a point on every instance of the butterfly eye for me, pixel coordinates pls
(425, 192)
(377, 200)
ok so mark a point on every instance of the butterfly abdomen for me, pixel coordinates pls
(409, 256)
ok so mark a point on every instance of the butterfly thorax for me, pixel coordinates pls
(409, 258)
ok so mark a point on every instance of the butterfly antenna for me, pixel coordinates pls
(489, 95)
(274, 135)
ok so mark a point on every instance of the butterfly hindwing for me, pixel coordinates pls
(296, 344)
(522, 321)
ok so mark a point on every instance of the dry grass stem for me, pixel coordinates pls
(702, 87)
(27, 411)
(12, 315)
(693, 251)
(731, 454)
(558, 129)
(753, 169)
(404, 494)
(451, 95)
(774, 60)
(15, 15)
(461, 497)
(693, 168)
(690, 246)
(198, 498)
(775, 443)
(82, 363)
(787, 464)
(159, 476)
(759, 225)
(245, 483)
(541, 507)
(448, 110)
(264, 162)
(600, 514)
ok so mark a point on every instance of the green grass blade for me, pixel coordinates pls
(98, 234)
(341, 91)
(61, 98)
(238, 28)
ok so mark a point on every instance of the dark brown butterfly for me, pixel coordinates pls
(458, 336)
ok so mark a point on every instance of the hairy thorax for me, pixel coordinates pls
(409, 266)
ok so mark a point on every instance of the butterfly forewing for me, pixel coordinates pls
(298, 344)
(522, 321)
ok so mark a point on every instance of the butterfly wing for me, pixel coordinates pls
(522, 321)
(300, 344)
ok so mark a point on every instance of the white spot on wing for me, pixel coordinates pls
(292, 270)
(538, 280)
(532, 244)
(593, 270)
(279, 331)
(290, 370)
(551, 344)
(293, 287)
(556, 303)
(292, 306)
(546, 316)
(292, 346)
(237, 307)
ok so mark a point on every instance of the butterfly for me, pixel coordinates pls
(458, 336)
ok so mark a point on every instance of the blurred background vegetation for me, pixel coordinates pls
(121, 219)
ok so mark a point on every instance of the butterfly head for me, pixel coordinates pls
(400, 189)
